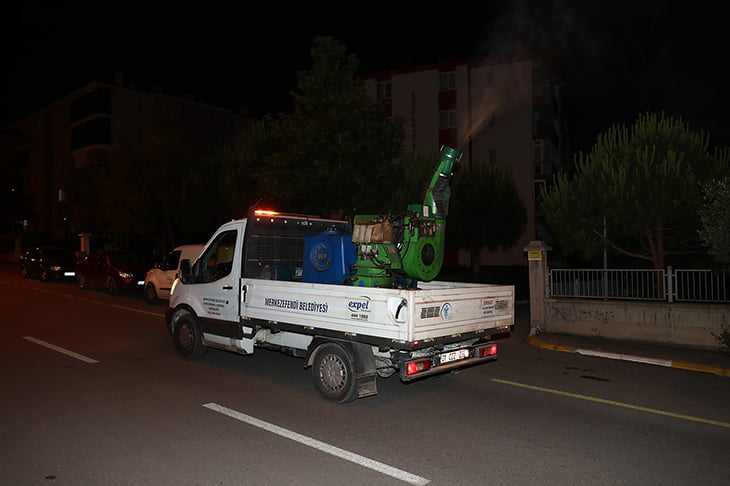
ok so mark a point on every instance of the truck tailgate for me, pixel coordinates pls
(443, 309)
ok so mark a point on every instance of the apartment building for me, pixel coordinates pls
(496, 111)
(81, 131)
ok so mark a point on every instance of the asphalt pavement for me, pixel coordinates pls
(682, 357)
(673, 356)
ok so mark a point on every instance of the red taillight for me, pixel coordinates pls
(488, 350)
(417, 367)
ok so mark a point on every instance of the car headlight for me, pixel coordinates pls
(55, 268)
(126, 275)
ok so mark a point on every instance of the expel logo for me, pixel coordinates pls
(446, 311)
(361, 304)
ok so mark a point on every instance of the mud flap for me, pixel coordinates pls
(365, 373)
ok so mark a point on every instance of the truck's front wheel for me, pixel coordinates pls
(332, 373)
(188, 337)
(150, 293)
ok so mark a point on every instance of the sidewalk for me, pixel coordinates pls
(686, 358)
(682, 357)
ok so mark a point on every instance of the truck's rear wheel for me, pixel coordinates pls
(332, 374)
(189, 338)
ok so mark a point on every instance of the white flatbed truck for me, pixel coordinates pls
(248, 289)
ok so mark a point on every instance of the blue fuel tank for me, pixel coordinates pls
(329, 258)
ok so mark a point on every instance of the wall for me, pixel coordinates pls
(690, 324)
(659, 322)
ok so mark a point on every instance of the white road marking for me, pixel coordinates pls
(61, 350)
(625, 357)
(322, 446)
(156, 314)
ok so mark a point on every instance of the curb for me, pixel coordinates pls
(534, 341)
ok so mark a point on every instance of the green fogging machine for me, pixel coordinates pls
(398, 250)
(390, 251)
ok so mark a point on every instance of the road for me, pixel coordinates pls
(94, 394)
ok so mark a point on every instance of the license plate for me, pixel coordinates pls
(453, 356)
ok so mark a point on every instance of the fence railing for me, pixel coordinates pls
(665, 285)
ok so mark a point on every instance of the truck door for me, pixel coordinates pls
(217, 282)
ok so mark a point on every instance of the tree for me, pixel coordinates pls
(645, 181)
(238, 169)
(338, 146)
(142, 196)
(715, 219)
(486, 210)
(409, 182)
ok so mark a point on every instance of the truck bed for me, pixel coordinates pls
(436, 310)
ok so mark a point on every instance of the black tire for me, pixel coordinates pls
(333, 374)
(189, 338)
(150, 294)
(111, 286)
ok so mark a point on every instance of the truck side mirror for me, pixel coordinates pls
(186, 274)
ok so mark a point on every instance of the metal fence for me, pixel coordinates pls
(664, 285)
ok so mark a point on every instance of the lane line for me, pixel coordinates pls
(616, 404)
(61, 350)
(322, 446)
(156, 314)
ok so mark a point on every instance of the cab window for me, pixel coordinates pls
(217, 261)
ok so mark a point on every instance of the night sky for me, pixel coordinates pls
(620, 57)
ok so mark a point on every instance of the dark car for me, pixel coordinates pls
(112, 269)
(48, 262)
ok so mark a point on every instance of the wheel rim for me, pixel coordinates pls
(185, 337)
(333, 373)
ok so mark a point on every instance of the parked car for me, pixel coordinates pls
(48, 262)
(158, 280)
(112, 269)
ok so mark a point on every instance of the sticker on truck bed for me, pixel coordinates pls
(443, 311)
(301, 305)
(359, 308)
(487, 307)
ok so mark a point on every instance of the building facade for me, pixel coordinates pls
(495, 111)
(81, 131)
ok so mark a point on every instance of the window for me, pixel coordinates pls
(96, 101)
(95, 131)
(447, 81)
(447, 119)
(385, 90)
(217, 261)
